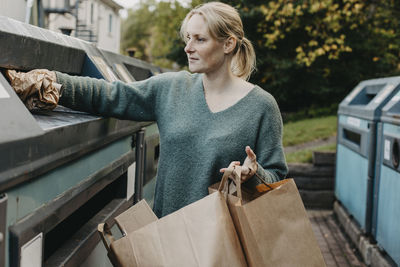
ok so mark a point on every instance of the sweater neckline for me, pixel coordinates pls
(237, 103)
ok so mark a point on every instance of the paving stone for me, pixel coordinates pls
(335, 246)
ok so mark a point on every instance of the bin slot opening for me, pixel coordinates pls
(394, 111)
(137, 72)
(373, 90)
(395, 154)
(367, 94)
(352, 136)
(3, 71)
(156, 153)
(65, 229)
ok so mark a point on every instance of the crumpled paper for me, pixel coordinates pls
(36, 88)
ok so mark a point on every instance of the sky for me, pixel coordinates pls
(131, 3)
(127, 3)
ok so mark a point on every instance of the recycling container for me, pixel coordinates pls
(358, 115)
(386, 208)
(131, 69)
(61, 172)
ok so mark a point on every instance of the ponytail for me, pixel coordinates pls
(244, 60)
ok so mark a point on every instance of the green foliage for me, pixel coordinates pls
(313, 52)
(310, 53)
(136, 30)
(307, 130)
(153, 30)
(167, 20)
(311, 112)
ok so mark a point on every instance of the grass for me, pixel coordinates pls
(305, 155)
(307, 130)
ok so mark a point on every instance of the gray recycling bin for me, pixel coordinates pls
(61, 172)
(131, 69)
(358, 115)
(386, 208)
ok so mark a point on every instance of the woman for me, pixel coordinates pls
(207, 120)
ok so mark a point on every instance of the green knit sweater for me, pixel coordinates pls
(194, 142)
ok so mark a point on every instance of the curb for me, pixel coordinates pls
(369, 251)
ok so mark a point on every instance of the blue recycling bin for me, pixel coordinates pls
(358, 116)
(386, 208)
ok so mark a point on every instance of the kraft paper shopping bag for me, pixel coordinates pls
(273, 227)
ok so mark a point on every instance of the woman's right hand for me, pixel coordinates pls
(37, 88)
(249, 167)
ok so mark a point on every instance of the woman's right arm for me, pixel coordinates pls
(134, 101)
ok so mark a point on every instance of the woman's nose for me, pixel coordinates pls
(189, 47)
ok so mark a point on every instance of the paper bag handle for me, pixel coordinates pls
(237, 173)
(261, 180)
(224, 181)
(225, 177)
(105, 235)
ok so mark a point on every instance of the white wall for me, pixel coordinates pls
(57, 21)
(13, 9)
(109, 38)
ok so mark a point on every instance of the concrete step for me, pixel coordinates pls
(314, 183)
(310, 170)
(317, 199)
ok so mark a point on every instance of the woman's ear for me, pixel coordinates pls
(229, 45)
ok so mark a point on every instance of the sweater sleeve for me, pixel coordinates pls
(271, 161)
(133, 101)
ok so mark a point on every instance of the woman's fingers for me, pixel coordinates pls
(250, 153)
(233, 163)
(249, 164)
(245, 170)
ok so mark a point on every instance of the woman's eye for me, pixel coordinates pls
(201, 39)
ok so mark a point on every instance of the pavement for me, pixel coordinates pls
(335, 246)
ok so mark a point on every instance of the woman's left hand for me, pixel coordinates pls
(249, 166)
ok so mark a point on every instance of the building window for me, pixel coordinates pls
(91, 13)
(110, 23)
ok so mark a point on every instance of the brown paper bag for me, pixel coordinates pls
(200, 234)
(129, 221)
(274, 228)
(36, 88)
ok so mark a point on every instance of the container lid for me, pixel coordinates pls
(368, 97)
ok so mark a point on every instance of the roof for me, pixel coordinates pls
(112, 4)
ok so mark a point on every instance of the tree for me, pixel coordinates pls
(153, 29)
(313, 52)
(136, 30)
(310, 53)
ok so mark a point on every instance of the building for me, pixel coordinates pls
(96, 21)
(17, 9)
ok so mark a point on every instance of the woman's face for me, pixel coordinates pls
(205, 54)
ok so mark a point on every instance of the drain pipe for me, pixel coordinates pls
(29, 5)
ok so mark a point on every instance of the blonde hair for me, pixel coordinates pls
(223, 21)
